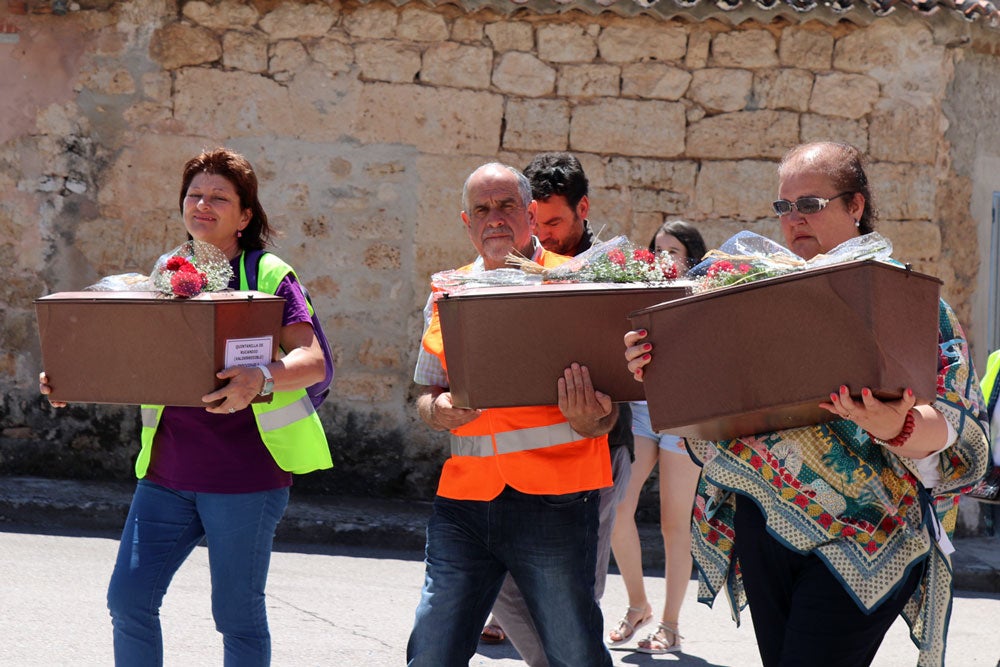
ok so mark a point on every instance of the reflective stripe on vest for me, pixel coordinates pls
(521, 440)
(289, 425)
(150, 416)
(287, 415)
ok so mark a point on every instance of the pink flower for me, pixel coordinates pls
(616, 256)
(745, 268)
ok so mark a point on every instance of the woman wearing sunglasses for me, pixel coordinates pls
(829, 532)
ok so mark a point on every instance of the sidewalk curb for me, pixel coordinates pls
(349, 521)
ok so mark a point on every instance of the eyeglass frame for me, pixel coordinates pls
(822, 203)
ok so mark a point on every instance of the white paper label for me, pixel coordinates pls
(248, 351)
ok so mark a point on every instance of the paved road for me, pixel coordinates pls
(346, 608)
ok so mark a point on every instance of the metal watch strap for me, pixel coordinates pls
(268, 387)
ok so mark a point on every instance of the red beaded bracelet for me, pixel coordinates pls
(901, 437)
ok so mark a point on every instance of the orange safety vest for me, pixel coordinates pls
(532, 449)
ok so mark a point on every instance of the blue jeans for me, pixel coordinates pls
(162, 529)
(547, 543)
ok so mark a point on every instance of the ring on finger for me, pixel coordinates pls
(232, 410)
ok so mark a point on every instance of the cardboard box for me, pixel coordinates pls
(761, 357)
(143, 347)
(508, 346)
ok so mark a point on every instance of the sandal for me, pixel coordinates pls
(492, 634)
(625, 630)
(666, 639)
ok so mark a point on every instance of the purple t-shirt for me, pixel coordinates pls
(195, 450)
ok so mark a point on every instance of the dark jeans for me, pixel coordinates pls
(802, 615)
(547, 543)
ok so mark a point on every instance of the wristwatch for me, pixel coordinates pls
(268, 387)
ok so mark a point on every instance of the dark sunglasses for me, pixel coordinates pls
(804, 205)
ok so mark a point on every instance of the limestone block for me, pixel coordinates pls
(611, 211)
(743, 134)
(588, 80)
(288, 56)
(912, 240)
(444, 121)
(466, 29)
(904, 191)
(847, 95)
(676, 175)
(902, 133)
(698, 46)
(721, 89)
(639, 40)
(536, 125)
(179, 45)
(365, 387)
(457, 65)
(243, 103)
(244, 50)
(816, 127)
(298, 21)
(657, 81)
(782, 88)
(149, 115)
(523, 74)
(387, 60)
(658, 200)
(566, 43)
(381, 257)
(54, 119)
(156, 86)
(511, 36)
(744, 48)
(105, 81)
(645, 225)
(628, 127)
(371, 22)
(738, 189)
(421, 25)
(333, 53)
(903, 57)
(806, 47)
(377, 354)
(227, 15)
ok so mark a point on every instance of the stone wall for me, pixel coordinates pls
(363, 121)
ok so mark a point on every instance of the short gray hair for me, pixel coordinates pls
(523, 184)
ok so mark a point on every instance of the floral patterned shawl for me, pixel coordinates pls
(861, 508)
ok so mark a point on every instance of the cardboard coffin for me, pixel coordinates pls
(143, 347)
(508, 346)
(761, 357)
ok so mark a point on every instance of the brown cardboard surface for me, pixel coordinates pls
(508, 346)
(142, 347)
(761, 357)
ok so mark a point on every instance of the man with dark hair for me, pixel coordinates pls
(559, 187)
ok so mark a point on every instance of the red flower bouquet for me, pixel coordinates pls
(191, 269)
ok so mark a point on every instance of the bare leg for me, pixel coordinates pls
(678, 482)
(625, 539)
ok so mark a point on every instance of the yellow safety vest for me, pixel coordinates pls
(288, 425)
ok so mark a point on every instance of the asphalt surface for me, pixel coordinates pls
(345, 579)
